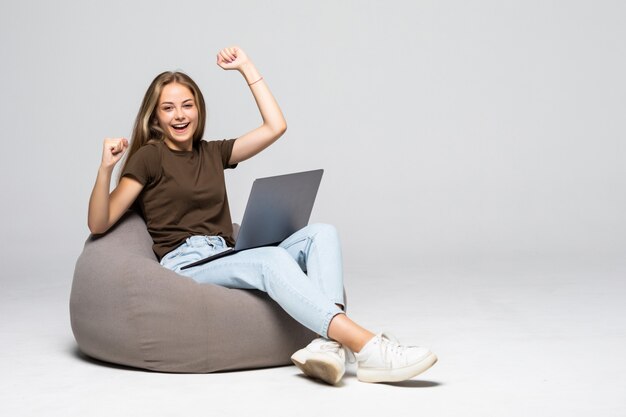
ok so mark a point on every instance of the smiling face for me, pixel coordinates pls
(177, 114)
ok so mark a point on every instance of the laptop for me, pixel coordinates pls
(277, 208)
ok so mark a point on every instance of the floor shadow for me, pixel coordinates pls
(319, 381)
(411, 383)
(76, 352)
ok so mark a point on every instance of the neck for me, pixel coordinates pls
(177, 146)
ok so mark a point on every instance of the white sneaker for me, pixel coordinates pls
(322, 359)
(382, 359)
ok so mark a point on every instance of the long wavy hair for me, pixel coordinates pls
(147, 127)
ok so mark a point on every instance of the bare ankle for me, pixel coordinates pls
(348, 333)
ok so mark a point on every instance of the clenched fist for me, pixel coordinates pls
(113, 150)
(232, 58)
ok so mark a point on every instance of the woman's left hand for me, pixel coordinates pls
(232, 58)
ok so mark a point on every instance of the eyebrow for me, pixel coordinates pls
(169, 102)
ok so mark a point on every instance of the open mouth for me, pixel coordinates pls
(180, 128)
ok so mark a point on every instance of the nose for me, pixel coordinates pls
(179, 114)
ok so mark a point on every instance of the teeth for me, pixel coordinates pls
(180, 126)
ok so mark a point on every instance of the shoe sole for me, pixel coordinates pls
(318, 368)
(396, 375)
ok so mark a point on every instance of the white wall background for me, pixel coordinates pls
(449, 130)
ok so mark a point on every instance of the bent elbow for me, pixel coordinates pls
(96, 229)
(280, 129)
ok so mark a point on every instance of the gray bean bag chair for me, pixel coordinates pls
(127, 309)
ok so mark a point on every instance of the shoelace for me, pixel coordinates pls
(336, 347)
(330, 346)
(390, 347)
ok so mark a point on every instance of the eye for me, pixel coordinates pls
(188, 106)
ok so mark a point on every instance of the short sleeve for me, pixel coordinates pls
(142, 164)
(225, 148)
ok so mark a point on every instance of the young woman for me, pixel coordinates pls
(176, 179)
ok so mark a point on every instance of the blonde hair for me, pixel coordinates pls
(147, 127)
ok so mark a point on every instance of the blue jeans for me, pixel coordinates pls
(303, 274)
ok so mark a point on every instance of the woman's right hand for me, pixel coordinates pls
(113, 150)
(105, 208)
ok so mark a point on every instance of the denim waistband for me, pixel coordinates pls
(198, 241)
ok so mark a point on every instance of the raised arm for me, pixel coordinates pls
(274, 124)
(105, 209)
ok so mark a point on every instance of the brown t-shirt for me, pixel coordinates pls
(184, 193)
